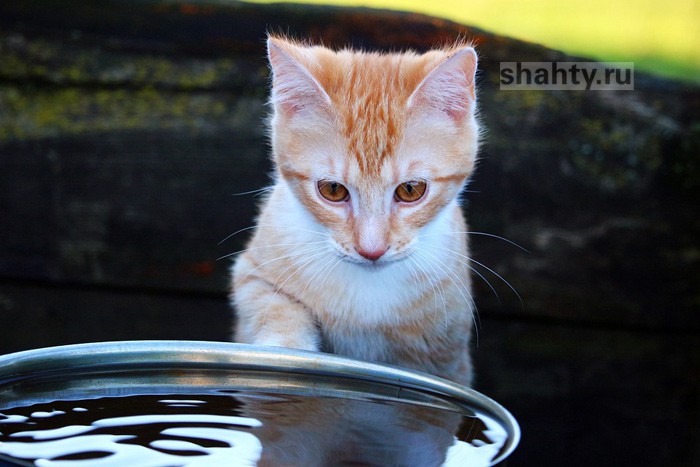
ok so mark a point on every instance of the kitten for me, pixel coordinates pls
(360, 247)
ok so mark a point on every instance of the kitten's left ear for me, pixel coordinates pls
(449, 88)
(294, 89)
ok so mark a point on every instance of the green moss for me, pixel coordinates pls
(619, 154)
(28, 113)
(79, 63)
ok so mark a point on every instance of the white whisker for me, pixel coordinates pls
(278, 258)
(520, 299)
(257, 192)
(274, 226)
(318, 271)
(418, 281)
(237, 232)
(469, 232)
(437, 282)
(273, 245)
(468, 258)
(450, 274)
(309, 259)
(474, 270)
(306, 260)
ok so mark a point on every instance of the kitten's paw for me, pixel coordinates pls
(288, 342)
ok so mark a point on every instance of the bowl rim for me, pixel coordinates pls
(96, 357)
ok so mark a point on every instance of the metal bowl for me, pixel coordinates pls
(109, 369)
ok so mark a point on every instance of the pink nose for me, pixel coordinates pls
(372, 255)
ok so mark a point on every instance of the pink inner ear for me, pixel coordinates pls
(449, 88)
(294, 89)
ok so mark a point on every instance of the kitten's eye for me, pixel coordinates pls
(409, 192)
(333, 191)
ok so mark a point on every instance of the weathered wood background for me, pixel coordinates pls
(127, 129)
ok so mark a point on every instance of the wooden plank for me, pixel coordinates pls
(130, 210)
(37, 316)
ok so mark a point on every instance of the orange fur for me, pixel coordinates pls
(370, 277)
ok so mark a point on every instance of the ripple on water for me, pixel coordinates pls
(242, 429)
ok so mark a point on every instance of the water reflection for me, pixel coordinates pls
(245, 429)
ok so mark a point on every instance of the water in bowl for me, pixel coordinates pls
(245, 428)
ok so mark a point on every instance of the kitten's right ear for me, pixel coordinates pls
(294, 89)
(449, 88)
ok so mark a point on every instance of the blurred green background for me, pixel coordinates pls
(658, 36)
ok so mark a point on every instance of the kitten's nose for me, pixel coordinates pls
(372, 255)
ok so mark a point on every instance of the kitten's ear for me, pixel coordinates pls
(449, 88)
(294, 89)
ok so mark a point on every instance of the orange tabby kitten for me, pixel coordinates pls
(360, 247)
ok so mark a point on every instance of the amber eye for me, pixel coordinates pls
(409, 192)
(333, 191)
